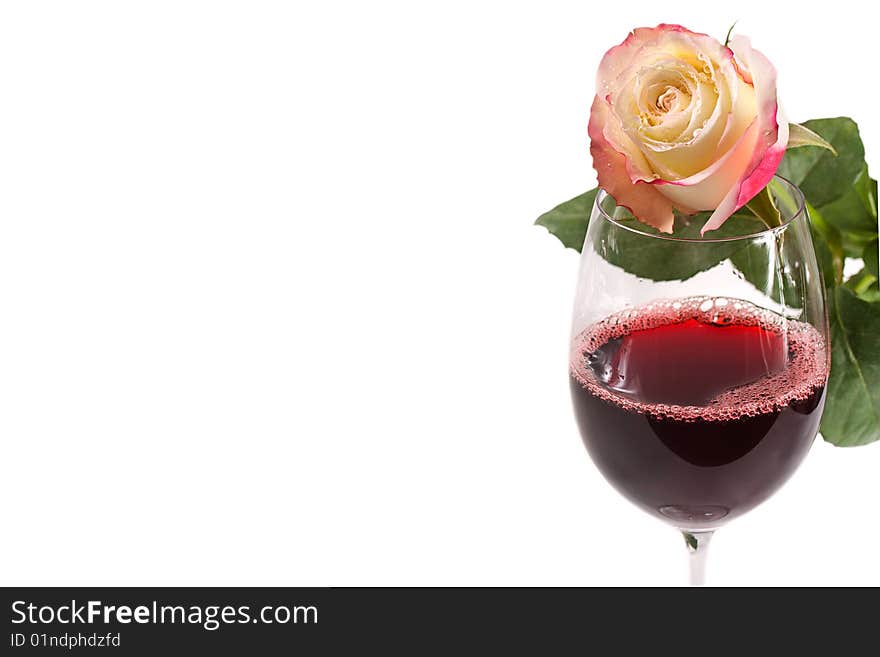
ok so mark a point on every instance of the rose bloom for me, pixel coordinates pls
(681, 121)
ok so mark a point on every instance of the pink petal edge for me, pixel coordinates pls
(640, 198)
(772, 135)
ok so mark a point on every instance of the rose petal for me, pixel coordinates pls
(641, 198)
(771, 136)
(704, 190)
(622, 57)
(677, 157)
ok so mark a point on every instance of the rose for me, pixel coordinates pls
(681, 121)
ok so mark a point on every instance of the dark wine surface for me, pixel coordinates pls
(698, 409)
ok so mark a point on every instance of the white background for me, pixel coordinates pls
(272, 309)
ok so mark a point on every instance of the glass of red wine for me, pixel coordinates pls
(698, 364)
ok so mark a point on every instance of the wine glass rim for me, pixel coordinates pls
(800, 211)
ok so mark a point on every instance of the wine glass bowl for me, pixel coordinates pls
(698, 364)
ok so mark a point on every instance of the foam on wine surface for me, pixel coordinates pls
(797, 347)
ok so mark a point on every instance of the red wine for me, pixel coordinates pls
(698, 409)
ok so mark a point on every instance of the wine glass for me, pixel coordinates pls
(698, 364)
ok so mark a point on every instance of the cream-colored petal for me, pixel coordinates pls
(705, 190)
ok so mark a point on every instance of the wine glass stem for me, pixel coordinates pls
(698, 546)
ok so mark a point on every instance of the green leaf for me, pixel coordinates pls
(659, 260)
(826, 236)
(852, 410)
(670, 260)
(872, 294)
(865, 284)
(752, 259)
(763, 207)
(854, 243)
(821, 176)
(861, 282)
(867, 188)
(826, 258)
(799, 135)
(870, 256)
(569, 221)
(855, 209)
(839, 187)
